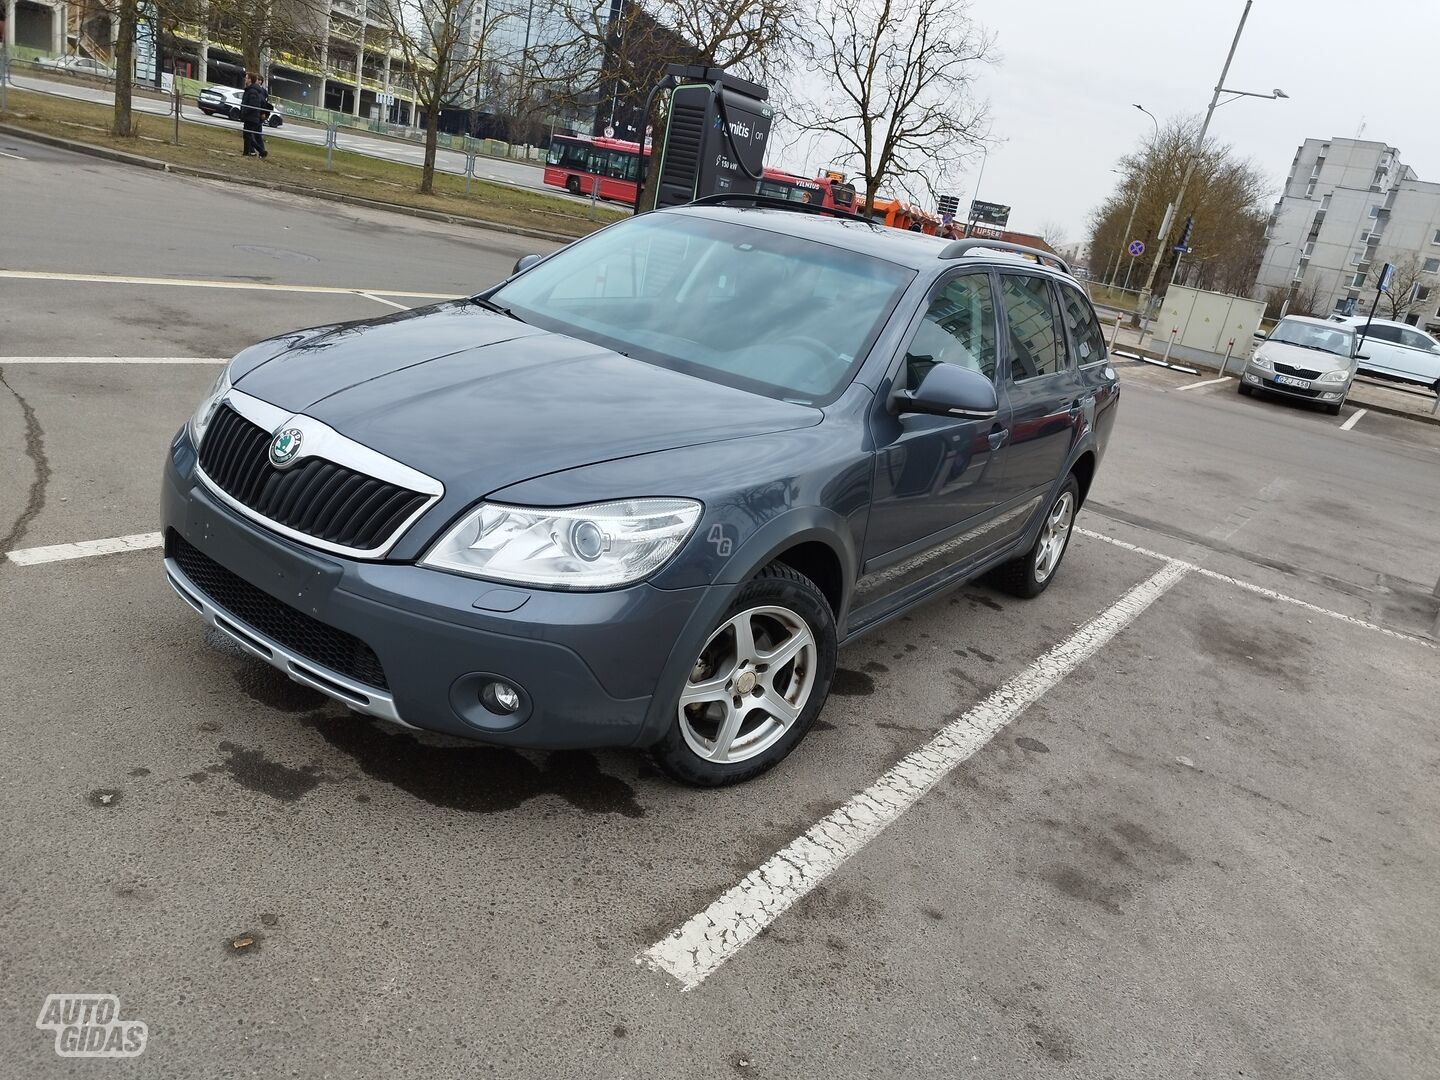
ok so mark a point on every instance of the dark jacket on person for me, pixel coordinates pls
(255, 106)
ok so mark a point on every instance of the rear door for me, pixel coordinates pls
(936, 482)
(1046, 396)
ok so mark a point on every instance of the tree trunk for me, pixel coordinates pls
(432, 130)
(124, 69)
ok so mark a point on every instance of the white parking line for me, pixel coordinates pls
(1258, 590)
(382, 300)
(84, 549)
(110, 360)
(1207, 382)
(201, 283)
(697, 948)
(1354, 419)
(13, 157)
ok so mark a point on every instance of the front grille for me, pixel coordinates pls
(316, 497)
(334, 649)
(1299, 373)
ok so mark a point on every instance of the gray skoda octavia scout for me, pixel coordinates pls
(639, 493)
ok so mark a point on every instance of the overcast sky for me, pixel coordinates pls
(1063, 90)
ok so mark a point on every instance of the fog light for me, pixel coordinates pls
(500, 697)
(1329, 397)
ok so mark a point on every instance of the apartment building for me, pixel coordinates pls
(1348, 206)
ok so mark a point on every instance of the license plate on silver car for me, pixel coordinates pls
(1286, 380)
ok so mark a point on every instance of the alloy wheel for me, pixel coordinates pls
(749, 685)
(1053, 535)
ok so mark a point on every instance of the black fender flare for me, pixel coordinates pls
(793, 527)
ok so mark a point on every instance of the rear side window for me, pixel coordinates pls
(1382, 333)
(958, 328)
(1084, 328)
(1415, 340)
(1035, 345)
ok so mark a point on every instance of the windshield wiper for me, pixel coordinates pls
(499, 309)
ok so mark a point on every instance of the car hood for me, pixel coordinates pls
(480, 401)
(1281, 352)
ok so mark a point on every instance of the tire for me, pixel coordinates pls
(273, 122)
(572, 185)
(233, 114)
(777, 601)
(1031, 574)
(1245, 391)
(1334, 410)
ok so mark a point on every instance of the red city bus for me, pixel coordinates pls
(612, 166)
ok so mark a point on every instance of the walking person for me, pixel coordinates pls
(254, 111)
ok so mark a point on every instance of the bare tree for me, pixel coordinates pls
(1409, 276)
(1053, 233)
(898, 78)
(443, 43)
(1225, 197)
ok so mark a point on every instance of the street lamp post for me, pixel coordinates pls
(984, 157)
(1144, 302)
(1135, 205)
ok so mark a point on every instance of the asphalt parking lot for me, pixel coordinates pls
(1174, 818)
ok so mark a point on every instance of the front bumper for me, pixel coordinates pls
(1323, 392)
(587, 665)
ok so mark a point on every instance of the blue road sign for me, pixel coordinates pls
(1386, 273)
(1136, 248)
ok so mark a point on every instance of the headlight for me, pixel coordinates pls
(201, 420)
(1334, 377)
(588, 547)
(1260, 362)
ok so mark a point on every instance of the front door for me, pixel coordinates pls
(1046, 398)
(935, 483)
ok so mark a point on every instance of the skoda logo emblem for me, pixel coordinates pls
(285, 446)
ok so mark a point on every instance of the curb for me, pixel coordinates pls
(156, 165)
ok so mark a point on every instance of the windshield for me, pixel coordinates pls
(776, 314)
(1339, 340)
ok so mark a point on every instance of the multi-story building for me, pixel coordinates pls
(1348, 207)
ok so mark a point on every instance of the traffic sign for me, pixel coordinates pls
(609, 132)
(1136, 248)
(1386, 273)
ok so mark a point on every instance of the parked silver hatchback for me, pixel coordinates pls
(1309, 359)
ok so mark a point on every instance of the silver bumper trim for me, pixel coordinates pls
(358, 696)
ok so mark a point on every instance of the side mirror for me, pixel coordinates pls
(524, 263)
(947, 390)
(1259, 335)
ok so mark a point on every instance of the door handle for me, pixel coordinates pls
(1082, 403)
(998, 437)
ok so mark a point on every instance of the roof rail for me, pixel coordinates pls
(770, 202)
(958, 248)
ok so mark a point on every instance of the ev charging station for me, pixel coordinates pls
(716, 132)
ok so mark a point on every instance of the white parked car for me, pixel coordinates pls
(225, 101)
(1396, 350)
(77, 65)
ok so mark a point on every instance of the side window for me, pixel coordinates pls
(1035, 345)
(1084, 329)
(1415, 340)
(958, 328)
(1382, 333)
